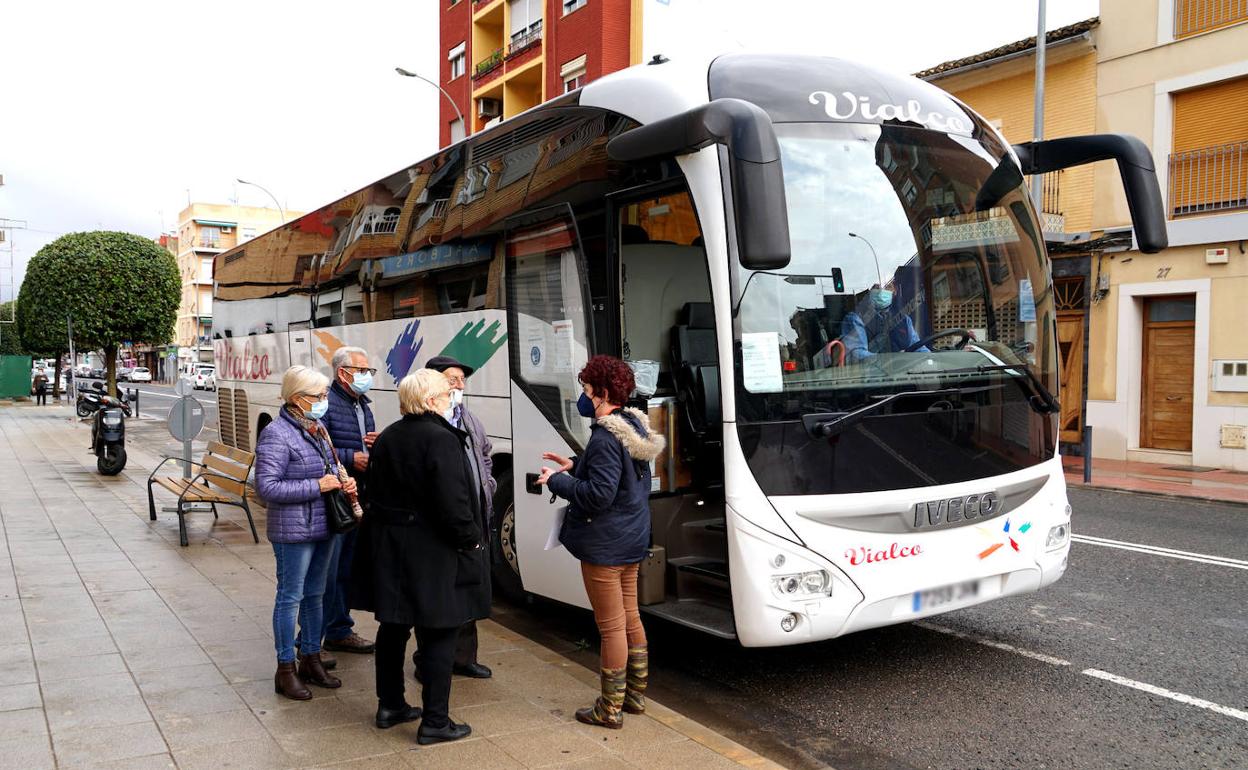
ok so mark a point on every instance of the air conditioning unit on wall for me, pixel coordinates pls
(489, 108)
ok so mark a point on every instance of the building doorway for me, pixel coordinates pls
(1168, 359)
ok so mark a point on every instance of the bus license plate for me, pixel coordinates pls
(938, 597)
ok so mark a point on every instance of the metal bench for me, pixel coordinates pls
(221, 480)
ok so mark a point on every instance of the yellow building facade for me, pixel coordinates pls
(1168, 329)
(203, 231)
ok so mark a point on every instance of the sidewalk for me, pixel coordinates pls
(119, 649)
(1178, 481)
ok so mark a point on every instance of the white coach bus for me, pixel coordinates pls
(835, 275)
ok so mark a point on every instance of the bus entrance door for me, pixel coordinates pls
(548, 338)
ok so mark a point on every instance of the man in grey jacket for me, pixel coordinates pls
(479, 451)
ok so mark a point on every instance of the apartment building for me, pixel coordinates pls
(1166, 372)
(1000, 85)
(1168, 328)
(501, 57)
(203, 231)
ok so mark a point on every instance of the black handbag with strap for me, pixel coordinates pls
(339, 513)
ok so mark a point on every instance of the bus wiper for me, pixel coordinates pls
(827, 425)
(1040, 399)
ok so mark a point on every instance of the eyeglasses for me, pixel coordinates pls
(361, 369)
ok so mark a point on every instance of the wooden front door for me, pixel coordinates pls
(1069, 294)
(1070, 347)
(1168, 361)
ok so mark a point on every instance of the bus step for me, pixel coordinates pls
(710, 525)
(706, 617)
(707, 569)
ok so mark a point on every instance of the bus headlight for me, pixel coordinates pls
(1057, 536)
(809, 584)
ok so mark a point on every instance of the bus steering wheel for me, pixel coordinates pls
(927, 341)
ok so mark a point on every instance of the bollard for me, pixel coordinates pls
(1087, 454)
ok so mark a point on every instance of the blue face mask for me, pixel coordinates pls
(882, 298)
(361, 382)
(585, 406)
(318, 409)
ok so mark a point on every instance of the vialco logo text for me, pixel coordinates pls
(934, 513)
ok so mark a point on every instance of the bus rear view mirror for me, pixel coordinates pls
(1135, 164)
(745, 129)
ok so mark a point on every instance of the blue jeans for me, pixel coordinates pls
(301, 571)
(338, 622)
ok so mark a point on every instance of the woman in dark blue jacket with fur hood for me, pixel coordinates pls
(607, 527)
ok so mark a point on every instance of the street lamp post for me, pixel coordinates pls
(879, 276)
(271, 195)
(454, 106)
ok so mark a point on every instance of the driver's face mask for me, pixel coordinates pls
(881, 298)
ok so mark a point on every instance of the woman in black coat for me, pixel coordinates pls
(421, 559)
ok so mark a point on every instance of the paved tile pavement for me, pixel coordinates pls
(1154, 478)
(119, 649)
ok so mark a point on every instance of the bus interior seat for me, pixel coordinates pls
(657, 279)
(695, 364)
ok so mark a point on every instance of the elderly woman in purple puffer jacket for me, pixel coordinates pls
(295, 466)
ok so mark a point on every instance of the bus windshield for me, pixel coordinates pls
(917, 269)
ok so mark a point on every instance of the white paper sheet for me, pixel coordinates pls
(552, 540)
(760, 362)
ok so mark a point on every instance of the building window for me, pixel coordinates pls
(457, 130)
(573, 73)
(210, 237)
(459, 60)
(571, 5)
(526, 22)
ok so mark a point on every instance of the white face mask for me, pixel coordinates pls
(457, 397)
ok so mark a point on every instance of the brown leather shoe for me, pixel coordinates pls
(353, 642)
(312, 672)
(328, 661)
(286, 682)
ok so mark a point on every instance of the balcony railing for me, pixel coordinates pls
(208, 243)
(435, 210)
(1051, 193)
(380, 224)
(524, 40)
(1192, 17)
(1209, 179)
(488, 64)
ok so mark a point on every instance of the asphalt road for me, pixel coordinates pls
(155, 401)
(1135, 659)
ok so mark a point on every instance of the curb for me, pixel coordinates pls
(1154, 493)
(694, 731)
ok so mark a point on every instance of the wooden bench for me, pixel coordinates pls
(221, 480)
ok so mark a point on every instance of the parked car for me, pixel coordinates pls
(98, 374)
(123, 373)
(205, 378)
(139, 374)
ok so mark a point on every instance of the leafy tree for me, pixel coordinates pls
(117, 287)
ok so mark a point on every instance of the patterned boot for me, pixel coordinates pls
(607, 711)
(638, 673)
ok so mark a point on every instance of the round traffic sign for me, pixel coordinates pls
(183, 387)
(186, 418)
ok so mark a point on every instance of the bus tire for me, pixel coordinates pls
(505, 565)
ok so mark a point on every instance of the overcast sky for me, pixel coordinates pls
(112, 114)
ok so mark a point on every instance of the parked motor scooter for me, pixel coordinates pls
(108, 439)
(93, 399)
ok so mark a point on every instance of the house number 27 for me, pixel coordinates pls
(1162, 272)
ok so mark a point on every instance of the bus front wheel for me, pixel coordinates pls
(506, 565)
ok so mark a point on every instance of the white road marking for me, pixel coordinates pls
(1092, 672)
(1154, 550)
(1163, 692)
(1052, 661)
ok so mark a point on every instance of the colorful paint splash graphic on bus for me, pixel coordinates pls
(474, 345)
(1009, 539)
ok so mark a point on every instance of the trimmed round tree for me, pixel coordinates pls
(116, 287)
